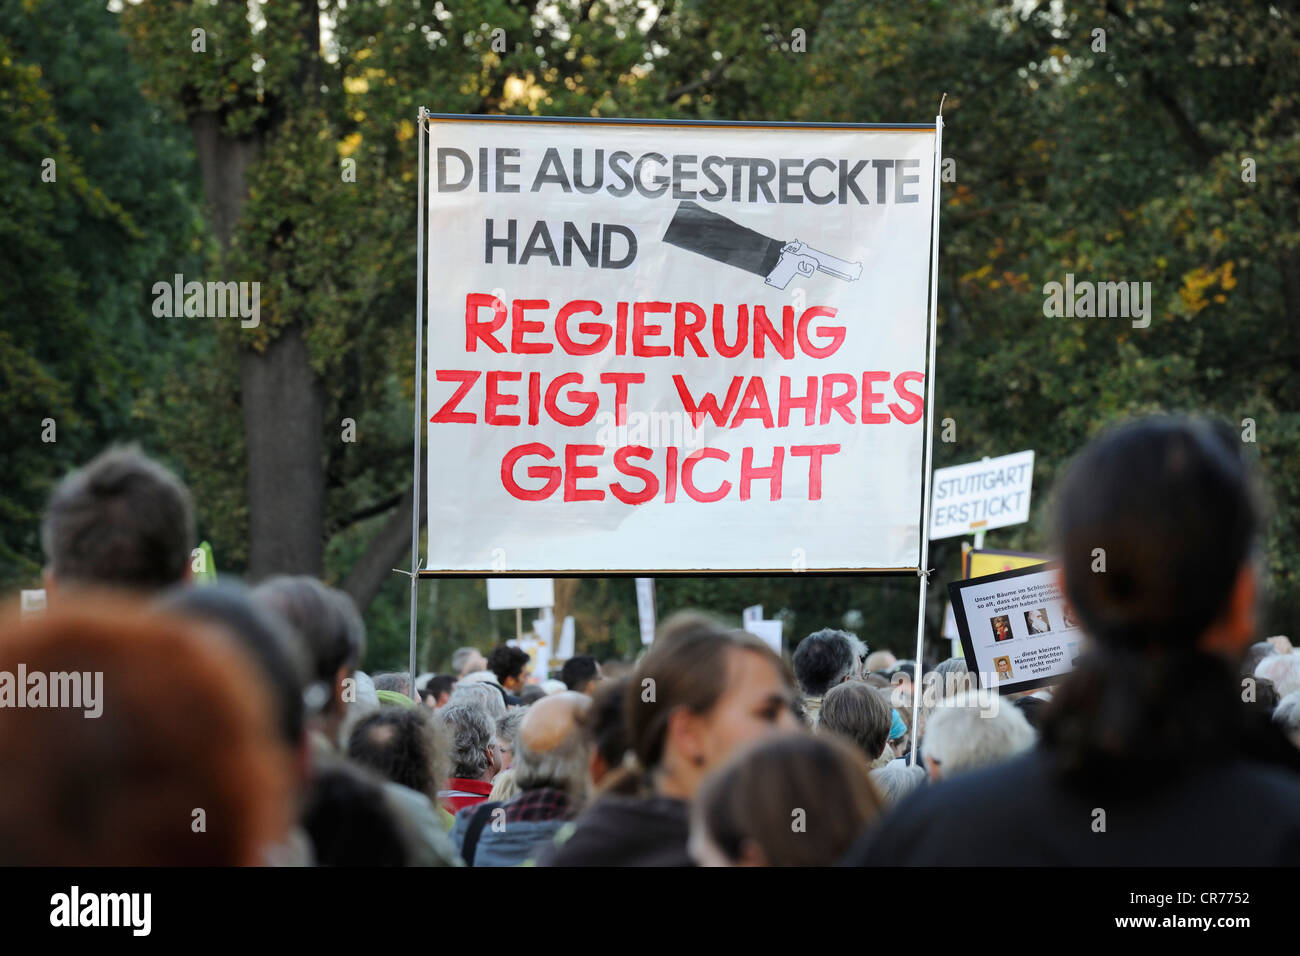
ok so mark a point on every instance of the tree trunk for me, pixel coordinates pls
(283, 407)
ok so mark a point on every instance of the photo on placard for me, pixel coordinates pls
(1036, 621)
(1003, 667)
(1067, 615)
(1001, 627)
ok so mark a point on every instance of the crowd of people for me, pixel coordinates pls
(235, 725)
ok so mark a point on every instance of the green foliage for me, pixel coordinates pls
(1122, 165)
(78, 342)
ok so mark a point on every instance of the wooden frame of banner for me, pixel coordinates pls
(425, 117)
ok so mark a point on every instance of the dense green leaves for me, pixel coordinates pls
(1123, 162)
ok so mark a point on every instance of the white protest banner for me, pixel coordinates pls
(667, 346)
(993, 493)
(645, 609)
(1016, 631)
(752, 613)
(505, 594)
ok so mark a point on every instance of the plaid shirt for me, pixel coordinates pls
(544, 803)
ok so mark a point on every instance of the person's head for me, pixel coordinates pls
(1287, 716)
(122, 521)
(508, 664)
(473, 757)
(438, 691)
(822, 660)
(483, 696)
(267, 639)
(467, 660)
(400, 744)
(606, 730)
(331, 630)
(1283, 670)
(399, 682)
(552, 745)
(900, 679)
(164, 715)
(879, 662)
(973, 729)
(948, 677)
(1169, 505)
(351, 821)
(531, 694)
(858, 714)
(506, 739)
(580, 673)
(791, 799)
(504, 786)
(700, 692)
(860, 651)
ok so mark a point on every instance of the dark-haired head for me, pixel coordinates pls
(822, 660)
(121, 521)
(330, 628)
(401, 745)
(580, 673)
(1156, 525)
(266, 638)
(742, 815)
(508, 664)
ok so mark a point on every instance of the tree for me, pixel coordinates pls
(97, 207)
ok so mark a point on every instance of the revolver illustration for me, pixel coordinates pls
(706, 233)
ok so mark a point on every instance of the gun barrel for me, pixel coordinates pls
(833, 265)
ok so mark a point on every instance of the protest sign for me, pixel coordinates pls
(978, 562)
(645, 609)
(1016, 632)
(981, 495)
(506, 594)
(664, 346)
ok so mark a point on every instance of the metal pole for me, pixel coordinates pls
(922, 571)
(519, 624)
(979, 535)
(419, 383)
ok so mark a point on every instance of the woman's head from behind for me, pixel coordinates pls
(1156, 525)
(701, 692)
(793, 799)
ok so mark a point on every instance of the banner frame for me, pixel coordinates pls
(424, 124)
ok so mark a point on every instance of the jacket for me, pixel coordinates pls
(624, 831)
(511, 833)
(1238, 812)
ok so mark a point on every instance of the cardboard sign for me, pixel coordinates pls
(981, 495)
(505, 594)
(1016, 632)
(676, 346)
